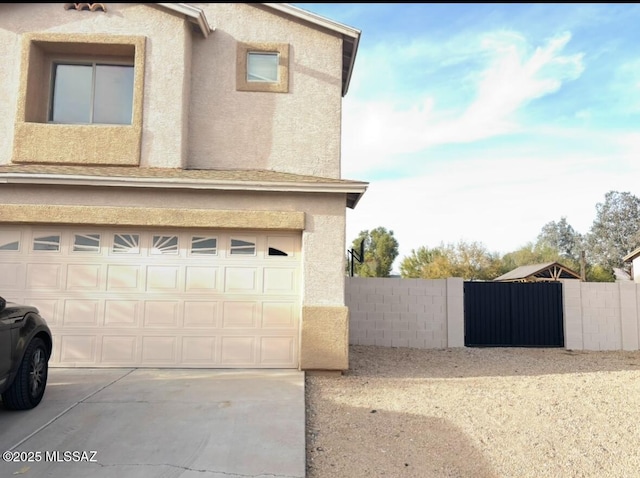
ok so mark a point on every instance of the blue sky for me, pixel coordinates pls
(484, 122)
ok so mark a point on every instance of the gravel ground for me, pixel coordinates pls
(476, 412)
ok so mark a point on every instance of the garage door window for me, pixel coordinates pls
(204, 245)
(165, 245)
(126, 244)
(86, 243)
(50, 243)
(10, 241)
(241, 246)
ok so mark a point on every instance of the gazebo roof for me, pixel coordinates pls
(549, 271)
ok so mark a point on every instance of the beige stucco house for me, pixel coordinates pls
(170, 188)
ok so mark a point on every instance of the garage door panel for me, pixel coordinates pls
(158, 350)
(77, 349)
(201, 279)
(83, 313)
(122, 277)
(87, 277)
(199, 350)
(274, 350)
(49, 308)
(241, 280)
(161, 313)
(238, 351)
(121, 313)
(162, 278)
(44, 276)
(200, 314)
(13, 275)
(240, 315)
(119, 349)
(158, 298)
(278, 315)
(280, 280)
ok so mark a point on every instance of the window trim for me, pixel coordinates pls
(36, 140)
(93, 62)
(242, 60)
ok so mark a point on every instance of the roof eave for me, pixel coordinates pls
(193, 14)
(632, 255)
(352, 189)
(349, 34)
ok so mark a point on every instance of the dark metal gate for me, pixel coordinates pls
(513, 314)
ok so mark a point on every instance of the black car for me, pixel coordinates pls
(25, 348)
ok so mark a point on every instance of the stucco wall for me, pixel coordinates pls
(192, 114)
(166, 83)
(298, 131)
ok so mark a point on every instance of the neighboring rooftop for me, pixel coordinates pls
(548, 271)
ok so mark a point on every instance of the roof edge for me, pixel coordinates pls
(352, 189)
(193, 14)
(632, 255)
(345, 30)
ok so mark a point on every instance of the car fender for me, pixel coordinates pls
(30, 327)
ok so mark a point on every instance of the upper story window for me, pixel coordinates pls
(262, 67)
(79, 95)
(92, 93)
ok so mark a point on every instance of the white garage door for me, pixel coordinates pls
(159, 298)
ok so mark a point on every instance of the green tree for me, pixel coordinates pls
(563, 238)
(380, 251)
(531, 253)
(425, 263)
(615, 231)
(469, 260)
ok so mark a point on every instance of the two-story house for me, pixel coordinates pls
(170, 188)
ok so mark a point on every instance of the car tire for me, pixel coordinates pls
(28, 386)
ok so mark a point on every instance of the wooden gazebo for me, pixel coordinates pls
(547, 272)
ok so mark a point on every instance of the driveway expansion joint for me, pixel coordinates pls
(68, 409)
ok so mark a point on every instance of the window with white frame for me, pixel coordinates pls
(262, 67)
(92, 93)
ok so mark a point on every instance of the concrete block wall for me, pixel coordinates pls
(601, 316)
(393, 312)
(424, 313)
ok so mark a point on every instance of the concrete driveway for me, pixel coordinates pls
(128, 423)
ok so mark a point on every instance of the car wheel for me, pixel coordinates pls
(27, 388)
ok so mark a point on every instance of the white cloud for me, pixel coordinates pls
(513, 76)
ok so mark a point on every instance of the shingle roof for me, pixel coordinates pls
(237, 179)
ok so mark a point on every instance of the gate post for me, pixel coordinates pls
(455, 312)
(572, 304)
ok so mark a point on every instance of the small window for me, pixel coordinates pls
(10, 246)
(126, 244)
(262, 66)
(239, 246)
(86, 243)
(46, 243)
(92, 93)
(280, 246)
(165, 245)
(276, 252)
(204, 245)
(10, 241)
